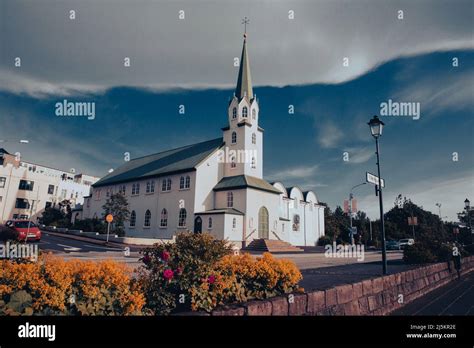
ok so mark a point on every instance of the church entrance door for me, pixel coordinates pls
(198, 225)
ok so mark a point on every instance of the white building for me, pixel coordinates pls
(215, 186)
(26, 189)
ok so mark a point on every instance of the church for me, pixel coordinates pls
(215, 186)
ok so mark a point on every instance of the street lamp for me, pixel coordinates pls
(439, 209)
(467, 206)
(376, 127)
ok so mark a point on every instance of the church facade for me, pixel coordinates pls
(215, 186)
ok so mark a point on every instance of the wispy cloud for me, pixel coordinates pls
(301, 172)
(329, 134)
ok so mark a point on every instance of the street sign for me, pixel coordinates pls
(374, 179)
(109, 218)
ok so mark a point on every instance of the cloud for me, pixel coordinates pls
(302, 172)
(359, 155)
(329, 134)
(63, 56)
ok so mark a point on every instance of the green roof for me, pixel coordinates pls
(178, 160)
(244, 181)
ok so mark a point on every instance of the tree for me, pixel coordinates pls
(117, 205)
(54, 217)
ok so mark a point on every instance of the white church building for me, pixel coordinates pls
(215, 186)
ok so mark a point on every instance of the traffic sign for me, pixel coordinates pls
(109, 218)
(374, 179)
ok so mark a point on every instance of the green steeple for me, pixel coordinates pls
(244, 81)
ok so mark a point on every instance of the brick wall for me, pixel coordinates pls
(377, 296)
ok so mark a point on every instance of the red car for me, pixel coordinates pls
(27, 230)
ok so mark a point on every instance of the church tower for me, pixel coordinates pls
(243, 137)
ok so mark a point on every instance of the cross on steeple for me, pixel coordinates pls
(245, 21)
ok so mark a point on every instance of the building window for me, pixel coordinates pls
(244, 112)
(150, 186)
(147, 219)
(181, 183)
(2, 181)
(135, 189)
(234, 137)
(50, 189)
(232, 163)
(254, 138)
(166, 185)
(164, 218)
(296, 222)
(254, 114)
(253, 163)
(133, 218)
(234, 223)
(26, 185)
(182, 218)
(22, 203)
(122, 189)
(230, 199)
(209, 224)
(234, 113)
(48, 205)
(187, 184)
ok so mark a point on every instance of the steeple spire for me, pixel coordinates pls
(244, 81)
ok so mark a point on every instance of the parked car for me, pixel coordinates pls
(392, 245)
(27, 230)
(404, 242)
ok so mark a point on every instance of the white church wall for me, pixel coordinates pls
(208, 173)
(255, 200)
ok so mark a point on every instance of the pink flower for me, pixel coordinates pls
(168, 274)
(211, 279)
(165, 256)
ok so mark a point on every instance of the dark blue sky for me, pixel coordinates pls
(304, 149)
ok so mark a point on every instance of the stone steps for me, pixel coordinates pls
(272, 246)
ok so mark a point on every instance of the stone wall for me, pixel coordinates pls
(377, 296)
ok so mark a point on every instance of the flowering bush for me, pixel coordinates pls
(55, 286)
(199, 273)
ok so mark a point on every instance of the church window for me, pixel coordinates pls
(168, 185)
(254, 138)
(181, 183)
(133, 218)
(209, 225)
(234, 223)
(230, 199)
(244, 112)
(234, 137)
(254, 114)
(136, 189)
(164, 218)
(234, 113)
(187, 183)
(253, 163)
(150, 187)
(147, 219)
(182, 218)
(232, 163)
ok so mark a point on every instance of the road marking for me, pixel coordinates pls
(68, 247)
(101, 247)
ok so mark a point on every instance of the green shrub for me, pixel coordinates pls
(171, 270)
(324, 240)
(418, 253)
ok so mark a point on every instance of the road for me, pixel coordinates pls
(455, 298)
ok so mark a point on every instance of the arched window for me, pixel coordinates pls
(164, 218)
(187, 184)
(152, 186)
(254, 114)
(230, 199)
(296, 222)
(234, 113)
(182, 218)
(163, 185)
(234, 137)
(232, 163)
(245, 112)
(253, 163)
(209, 224)
(254, 138)
(147, 219)
(181, 183)
(168, 185)
(133, 218)
(234, 223)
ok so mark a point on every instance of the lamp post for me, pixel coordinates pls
(376, 127)
(439, 209)
(351, 196)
